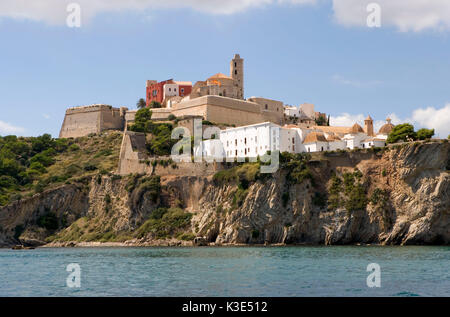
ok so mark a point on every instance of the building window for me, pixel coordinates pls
(235, 71)
(267, 106)
(235, 64)
(182, 89)
(245, 140)
(235, 142)
(256, 139)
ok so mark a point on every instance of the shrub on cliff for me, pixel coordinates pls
(171, 223)
(424, 134)
(141, 119)
(402, 132)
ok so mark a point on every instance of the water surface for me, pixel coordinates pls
(227, 271)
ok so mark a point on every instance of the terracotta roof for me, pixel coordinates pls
(219, 75)
(327, 129)
(184, 83)
(332, 138)
(314, 137)
(356, 128)
(386, 129)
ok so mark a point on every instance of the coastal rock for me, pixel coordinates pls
(416, 210)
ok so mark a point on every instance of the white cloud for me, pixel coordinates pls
(430, 118)
(7, 128)
(405, 15)
(346, 120)
(54, 11)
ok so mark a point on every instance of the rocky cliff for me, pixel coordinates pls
(397, 195)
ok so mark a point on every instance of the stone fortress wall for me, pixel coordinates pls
(82, 121)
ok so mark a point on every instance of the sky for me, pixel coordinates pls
(296, 51)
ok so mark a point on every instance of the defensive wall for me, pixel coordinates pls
(82, 121)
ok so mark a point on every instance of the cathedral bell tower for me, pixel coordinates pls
(237, 73)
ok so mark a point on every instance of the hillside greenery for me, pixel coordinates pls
(160, 141)
(29, 165)
(405, 132)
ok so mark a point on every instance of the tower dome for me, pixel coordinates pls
(386, 128)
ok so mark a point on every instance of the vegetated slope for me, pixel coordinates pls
(396, 195)
(34, 164)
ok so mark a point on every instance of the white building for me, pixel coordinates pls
(292, 111)
(316, 142)
(373, 142)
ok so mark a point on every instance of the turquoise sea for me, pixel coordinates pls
(227, 271)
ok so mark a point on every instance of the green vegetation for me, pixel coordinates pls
(149, 186)
(425, 134)
(155, 104)
(296, 166)
(379, 198)
(33, 164)
(348, 192)
(402, 132)
(243, 174)
(161, 141)
(141, 103)
(165, 223)
(321, 121)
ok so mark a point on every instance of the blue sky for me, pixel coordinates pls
(293, 52)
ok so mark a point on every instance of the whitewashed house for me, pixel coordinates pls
(373, 142)
(316, 142)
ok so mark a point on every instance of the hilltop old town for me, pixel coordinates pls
(248, 127)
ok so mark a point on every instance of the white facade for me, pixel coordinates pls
(317, 146)
(337, 145)
(251, 140)
(170, 90)
(212, 150)
(373, 143)
(292, 111)
(354, 140)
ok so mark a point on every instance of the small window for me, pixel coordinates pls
(182, 89)
(170, 89)
(235, 71)
(267, 107)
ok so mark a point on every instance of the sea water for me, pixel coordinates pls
(227, 271)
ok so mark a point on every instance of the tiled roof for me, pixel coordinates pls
(314, 137)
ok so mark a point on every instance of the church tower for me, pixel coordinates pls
(237, 73)
(368, 126)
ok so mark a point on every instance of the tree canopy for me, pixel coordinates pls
(424, 134)
(402, 132)
(141, 103)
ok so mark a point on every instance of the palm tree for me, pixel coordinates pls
(141, 103)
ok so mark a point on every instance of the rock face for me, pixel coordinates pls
(415, 210)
